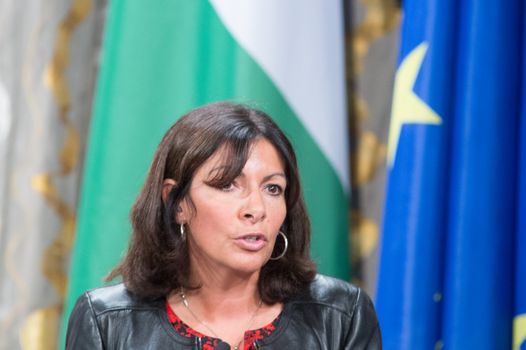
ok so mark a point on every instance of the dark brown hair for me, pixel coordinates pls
(157, 260)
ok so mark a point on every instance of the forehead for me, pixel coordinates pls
(261, 155)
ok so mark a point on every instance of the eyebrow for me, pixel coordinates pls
(268, 177)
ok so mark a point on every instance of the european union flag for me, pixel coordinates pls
(453, 265)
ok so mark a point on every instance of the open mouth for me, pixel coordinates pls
(251, 242)
(253, 238)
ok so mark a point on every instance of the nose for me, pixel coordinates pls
(254, 209)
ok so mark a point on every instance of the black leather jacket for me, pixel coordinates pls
(330, 314)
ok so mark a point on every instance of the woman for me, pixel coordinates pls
(219, 255)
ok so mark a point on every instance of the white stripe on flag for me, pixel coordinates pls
(299, 44)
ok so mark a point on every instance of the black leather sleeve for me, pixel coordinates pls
(83, 331)
(365, 330)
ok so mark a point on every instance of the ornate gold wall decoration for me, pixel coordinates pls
(368, 150)
(381, 17)
(53, 262)
(364, 238)
(370, 154)
(361, 110)
(55, 78)
(40, 330)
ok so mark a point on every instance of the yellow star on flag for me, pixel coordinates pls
(519, 331)
(408, 108)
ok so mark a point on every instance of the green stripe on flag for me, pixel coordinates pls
(159, 62)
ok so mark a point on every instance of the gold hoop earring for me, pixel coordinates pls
(286, 242)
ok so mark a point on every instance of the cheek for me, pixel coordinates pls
(211, 211)
(278, 214)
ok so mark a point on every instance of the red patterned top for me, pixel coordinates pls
(210, 343)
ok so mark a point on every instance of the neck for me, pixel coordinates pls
(225, 293)
(228, 334)
(220, 285)
(226, 302)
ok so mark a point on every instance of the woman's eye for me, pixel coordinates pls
(275, 189)
(228, 187)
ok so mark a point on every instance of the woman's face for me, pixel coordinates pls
(234, 228)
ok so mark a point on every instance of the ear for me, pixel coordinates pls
(168, 184)
(181, 215)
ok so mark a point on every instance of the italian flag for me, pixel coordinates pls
(163, 58)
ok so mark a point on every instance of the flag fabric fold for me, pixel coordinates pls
(450, 251)
(519, 322)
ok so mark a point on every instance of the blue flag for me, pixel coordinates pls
(449, 267)
(519, 323)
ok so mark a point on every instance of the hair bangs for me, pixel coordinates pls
(232, 158)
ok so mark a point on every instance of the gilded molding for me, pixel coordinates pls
(40, 329)
(369, 152)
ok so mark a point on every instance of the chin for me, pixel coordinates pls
(250, 266)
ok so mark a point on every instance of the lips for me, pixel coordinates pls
(251, 242)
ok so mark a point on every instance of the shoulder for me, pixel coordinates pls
(325, 287)
(333, 293)
(330, 303)
(113, 318)
(114, 298)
